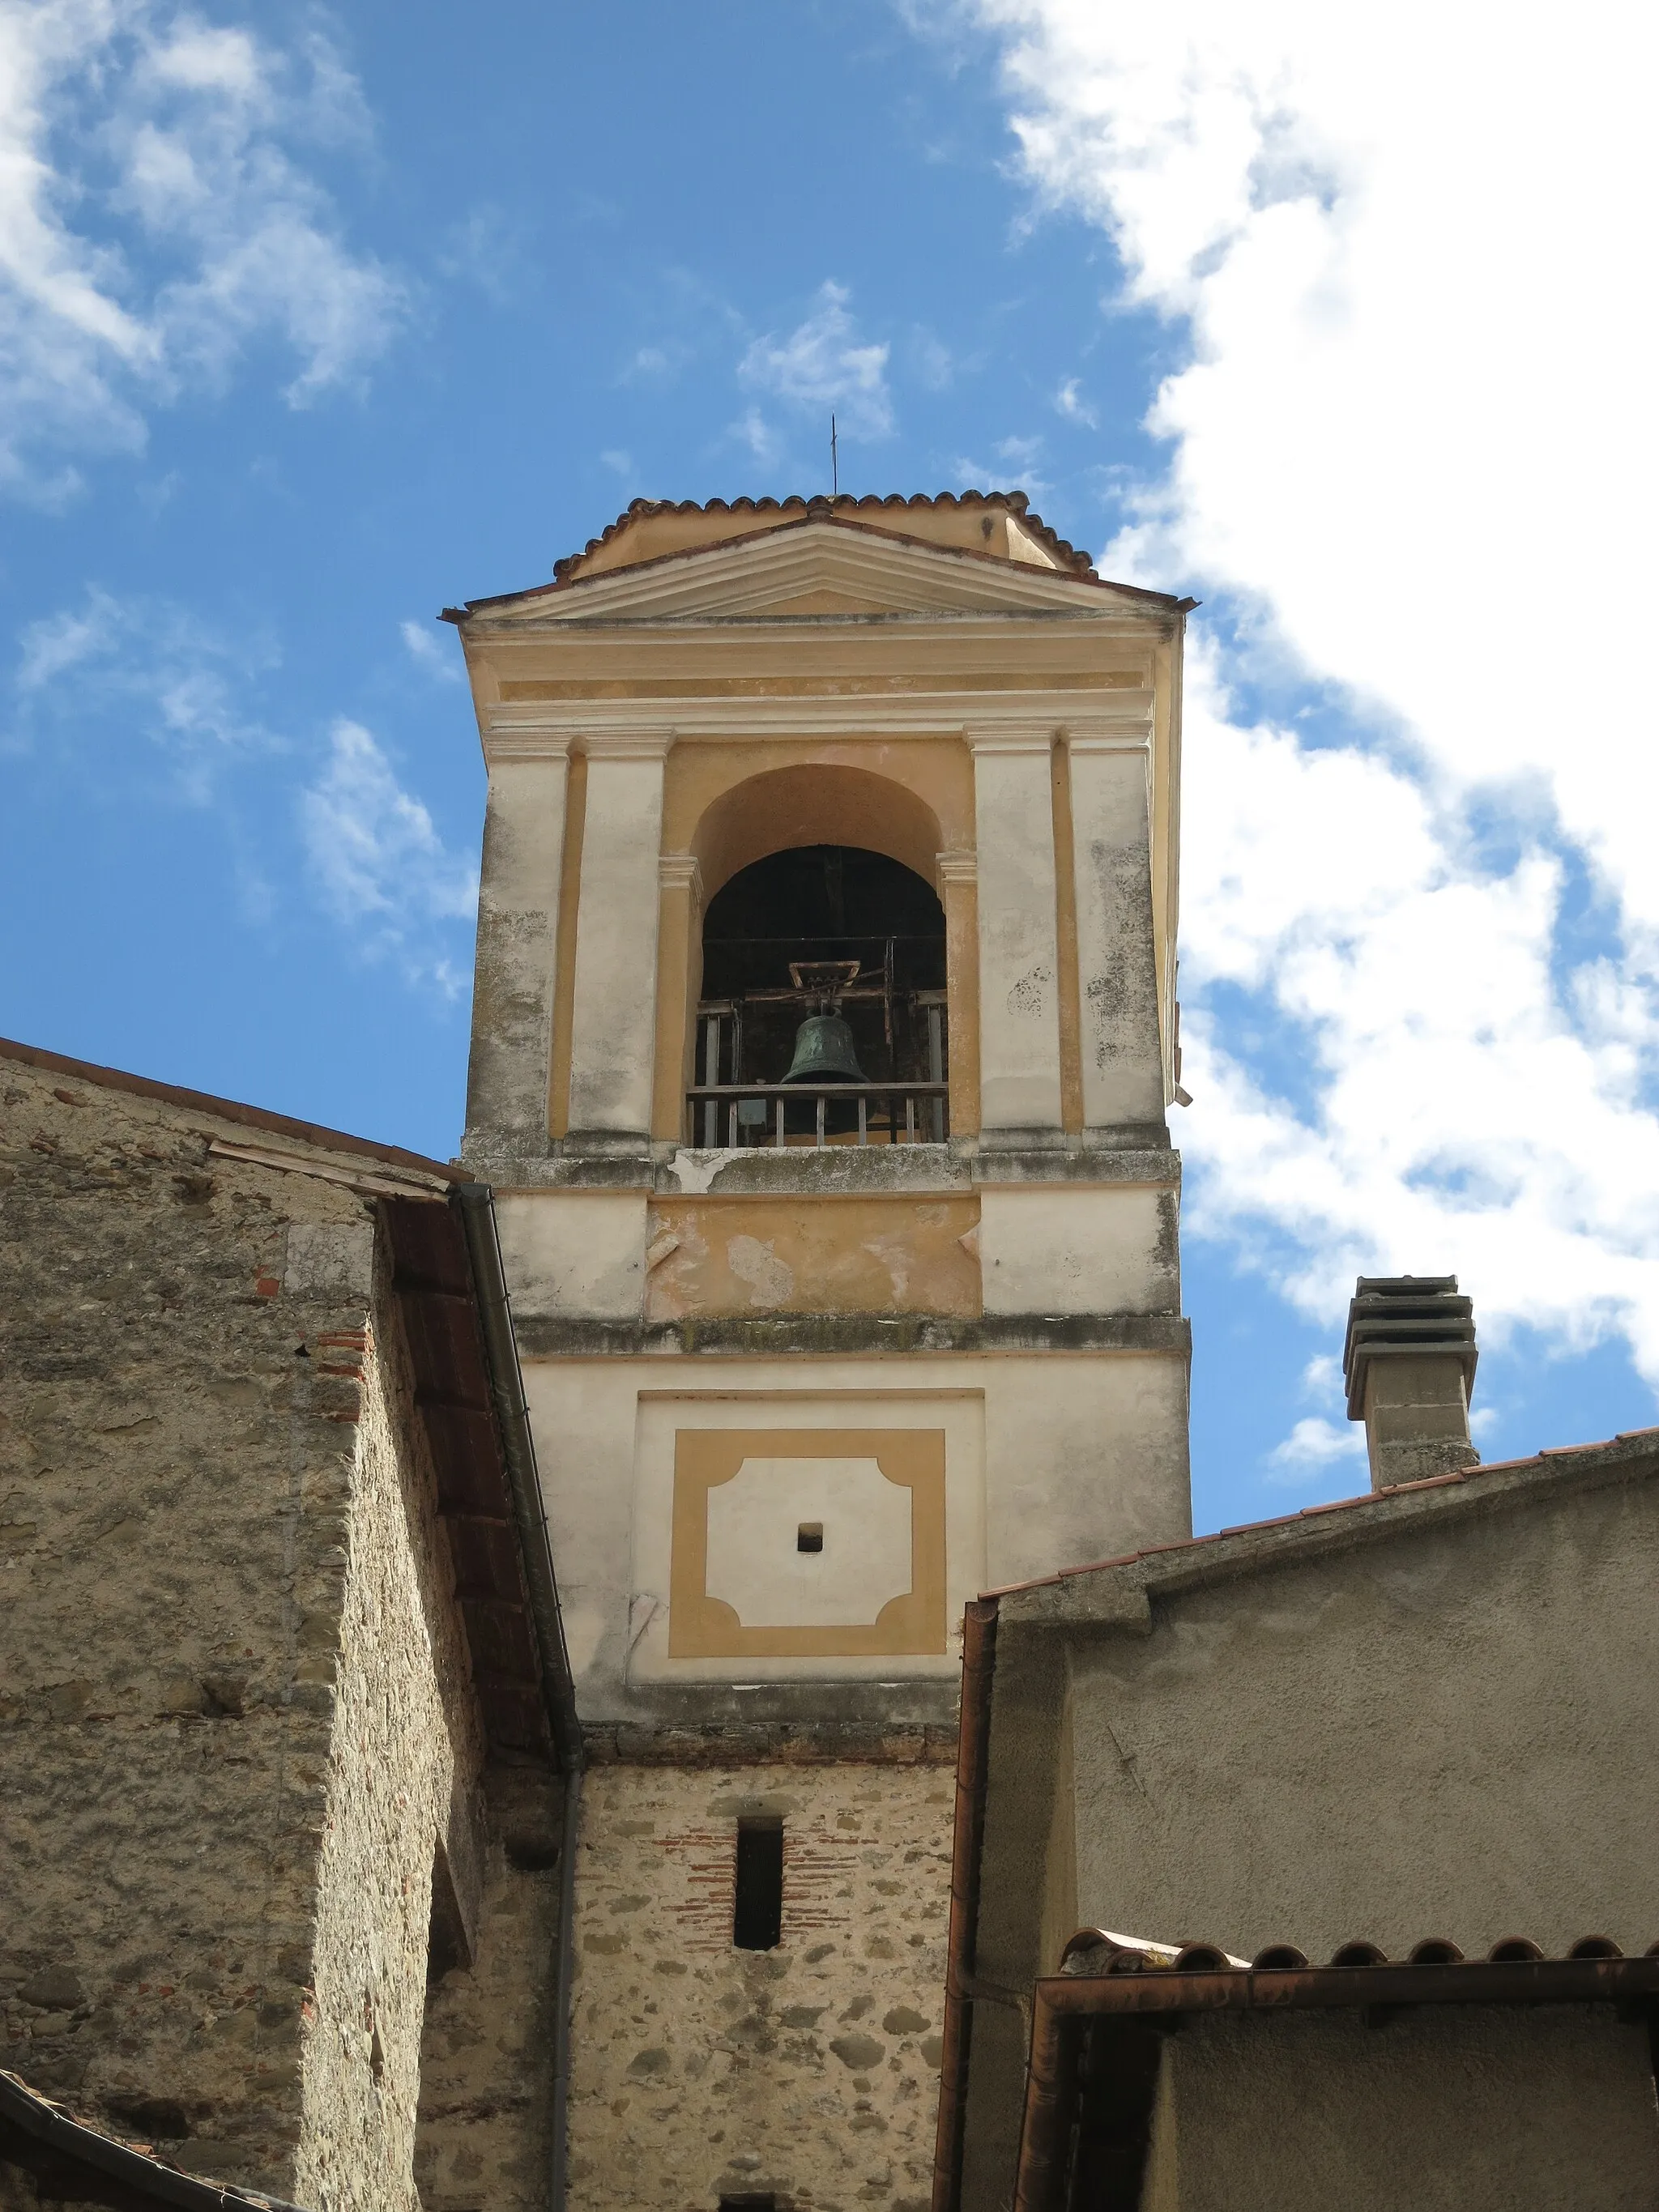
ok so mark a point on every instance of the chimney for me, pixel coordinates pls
(1409, 1365)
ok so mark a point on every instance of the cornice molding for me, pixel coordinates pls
(744, 577)
(1023, 736)
(961, 866)
(678, 872)
(592, 725)
(513, 732)
(636, 742)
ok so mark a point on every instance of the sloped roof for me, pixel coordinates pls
(843, 504)
(1374, 1514)
(957, 530)
(72, 2158)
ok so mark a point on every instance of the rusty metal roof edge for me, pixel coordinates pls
(1061, 2003)
(1438, 1981)
(225, 1110)
(1373, 1515)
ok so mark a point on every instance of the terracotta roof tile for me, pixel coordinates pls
(1015, 502)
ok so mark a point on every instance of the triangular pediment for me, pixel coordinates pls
(823, 569)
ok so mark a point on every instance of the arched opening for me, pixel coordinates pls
(830, 935)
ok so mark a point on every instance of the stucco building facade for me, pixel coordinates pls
(821, 1360)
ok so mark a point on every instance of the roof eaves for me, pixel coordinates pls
(224, 1109)
(1075, 567)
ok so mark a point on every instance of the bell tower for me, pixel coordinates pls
(823, 1031)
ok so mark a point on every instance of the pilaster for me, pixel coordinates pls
(528, 762)
(1018, 946)
(679, 981)
(1118, 998)
(613, 1014)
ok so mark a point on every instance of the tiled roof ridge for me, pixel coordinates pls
(1136, 1954)
(1463, 1475)
(1015, 502)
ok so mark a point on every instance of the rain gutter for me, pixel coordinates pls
(476, 1204)
(979, 1651)
(1129, 1997)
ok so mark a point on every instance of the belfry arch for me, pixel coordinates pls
(799, 865)
(849, 941)
(815, 804)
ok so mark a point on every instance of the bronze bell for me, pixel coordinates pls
(824, 1052)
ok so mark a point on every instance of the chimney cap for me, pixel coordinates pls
(1405, 1316)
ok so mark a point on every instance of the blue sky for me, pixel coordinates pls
(320, 321)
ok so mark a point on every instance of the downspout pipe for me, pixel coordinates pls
(979, 1654)
(475, 1202)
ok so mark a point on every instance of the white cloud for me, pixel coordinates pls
(1312, 1446)
(753, 430)
(1413, 450)
(1068, 403)
(380, 866)
(428, 651)
(144, 667)
(822, 365)
(156, 217)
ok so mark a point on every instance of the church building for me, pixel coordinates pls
(663, 1664)
(825, 1031)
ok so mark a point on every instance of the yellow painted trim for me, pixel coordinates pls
(679, 983)
(527, 689)
(703, 1627)
(962, 996)
(843, 1252)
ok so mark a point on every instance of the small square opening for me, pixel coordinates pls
(809, 1537)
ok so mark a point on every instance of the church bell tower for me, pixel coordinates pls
(823, 1031)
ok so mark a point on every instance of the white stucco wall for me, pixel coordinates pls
(575, 1252)
(1018, 946)
(614, 1007)
(1084, 1456)
(1048, 1249)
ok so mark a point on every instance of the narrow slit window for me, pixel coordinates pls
(757, 1913)
(809, 1537)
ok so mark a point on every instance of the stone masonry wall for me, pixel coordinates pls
(406, 1762)
(487, 2055)
(232, 1706)
(808, 2072)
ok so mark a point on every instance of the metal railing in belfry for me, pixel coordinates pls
(734, 1115)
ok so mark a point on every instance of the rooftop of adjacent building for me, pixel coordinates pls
(1372, 1514)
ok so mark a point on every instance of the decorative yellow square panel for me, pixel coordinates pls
(807, 1543)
